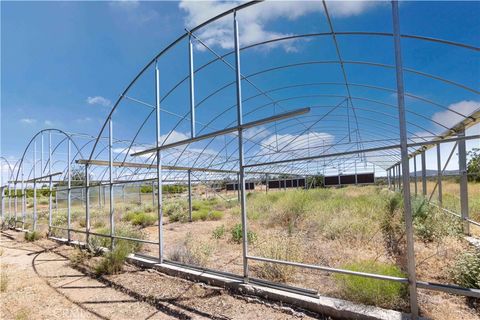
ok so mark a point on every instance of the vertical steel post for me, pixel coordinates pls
(190, 195)
(69, 192)
(153, 194)
(462, 168)
(394, 184)
(159, 165)
(15, 202)
(415, 173)
(34, 185)
(439, 174)
(41, 155)
(100, 195)
(424, 173)
(50, 187)
(266, 183)
(412, 279)
(110, 173)
(192, 87)
(9, 200)
(238, 187)
(388, 179)
(24, 199)
(243, 202)
(87, 204)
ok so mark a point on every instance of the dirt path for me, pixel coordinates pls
(41, 284)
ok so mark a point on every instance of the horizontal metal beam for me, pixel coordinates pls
(150, 166)
(394, 146)
(45, 176)
(328, 269)
(214, 134)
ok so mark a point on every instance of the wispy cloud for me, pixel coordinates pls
(83, 120)
(253, 20)
(48, 123)
(99, 100)
(28, 120)
(134, 11)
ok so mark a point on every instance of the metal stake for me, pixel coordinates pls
(69, 192)
(110, 172)
(412, 279)
(424, 173)
(462, 167)
(243, 200)
(190, 195)
(159, 165)
(439, 173)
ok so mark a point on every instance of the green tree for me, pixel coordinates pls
(473, 166)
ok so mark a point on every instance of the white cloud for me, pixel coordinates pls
(134, 11)
(256, 133)
(449, 118)
(83, 120)
(253, 20)
(99, 100)
(124, 4)
(48, 123)
(28, 120)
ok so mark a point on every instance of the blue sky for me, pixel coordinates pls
(63, 64)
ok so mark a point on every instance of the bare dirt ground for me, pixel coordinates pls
(42, 284)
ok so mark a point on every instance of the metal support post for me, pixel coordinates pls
(192, 87)
(87, 204)
(424, 173)
(356, 180)
(110, 173)
(439, 174)
(34, 186)
(415, 173)
(243, 200)
(266, 183)
(153, 193)
(24, 200)
(388, 179)
(159, 165)
(462, 168)
(15, 203)
(50, 186)
(412, 278)
(190, 195)
(69, 192)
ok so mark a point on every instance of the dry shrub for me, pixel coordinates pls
(292, 209)
(192, 252)
(287, 248)
(393, 229)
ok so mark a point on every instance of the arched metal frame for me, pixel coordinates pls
(164, 160)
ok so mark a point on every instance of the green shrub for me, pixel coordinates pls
(122, 230)
(466, 271)
(218, 232)
(191, 252)
(206, 214)
(280, 248)
(32, 236)
(138, 218)
(113, 262)
(292, 209)
(237, 234)
(393, 229)
(371, 291)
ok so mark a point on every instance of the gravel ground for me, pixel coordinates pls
(42, 284)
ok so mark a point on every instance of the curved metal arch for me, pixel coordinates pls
(33, 139)
(227, 13)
